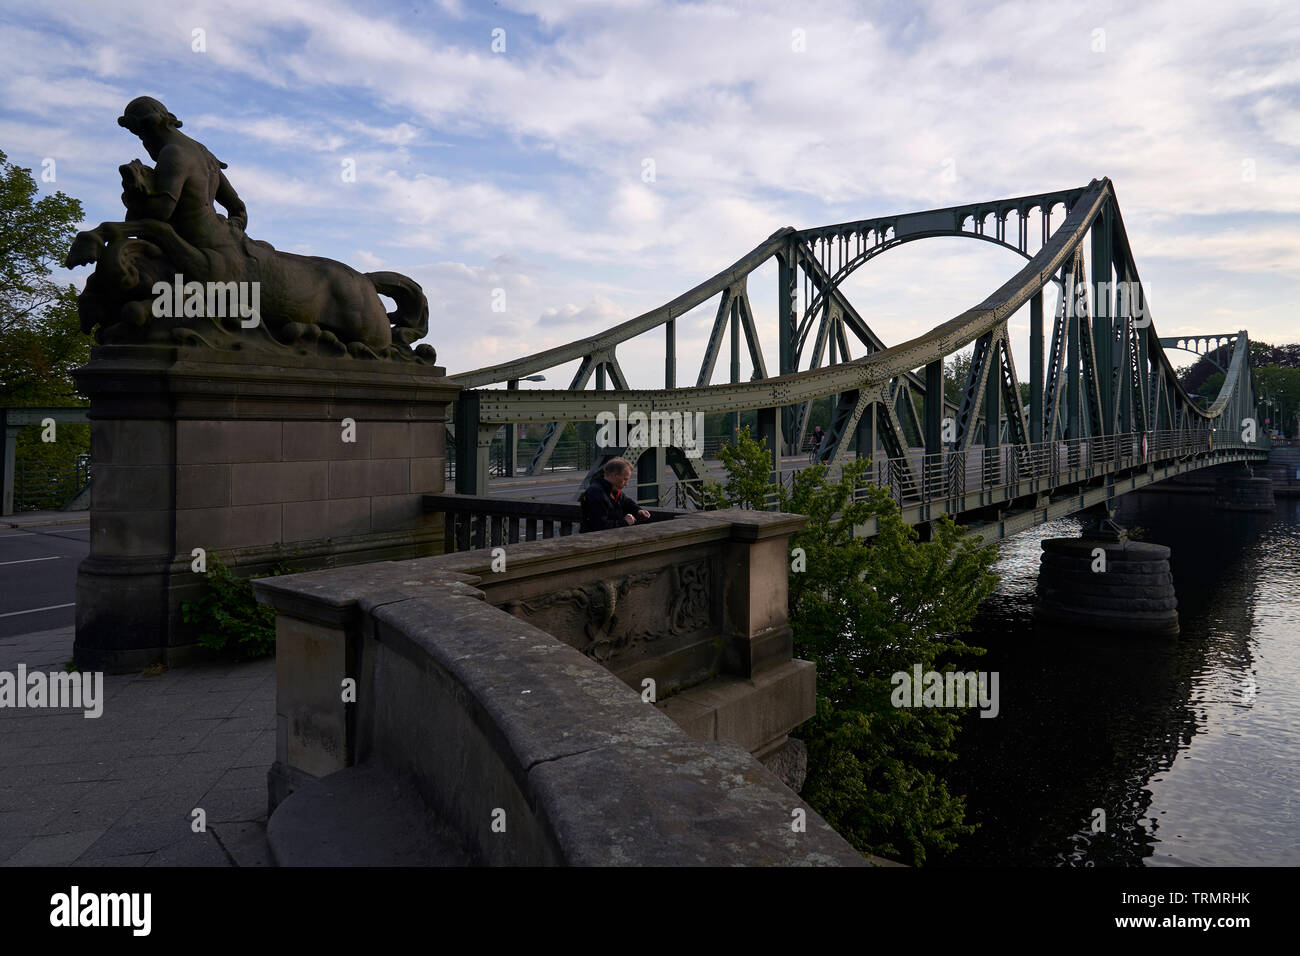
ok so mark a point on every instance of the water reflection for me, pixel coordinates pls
(1187, 744)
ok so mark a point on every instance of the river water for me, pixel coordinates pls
(1190, 745)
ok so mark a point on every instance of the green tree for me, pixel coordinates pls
(955, 372)
(1209, 389)
(41, 341)
(40, 334)
(862, 611)
(748, 484)
(1281, 386)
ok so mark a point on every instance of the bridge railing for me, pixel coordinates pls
(954, 473)
(474, 521)
(567, 456)
(49, 485)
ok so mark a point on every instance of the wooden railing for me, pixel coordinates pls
(475, 521)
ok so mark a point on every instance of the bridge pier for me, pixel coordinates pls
(1104, 581)
(200, 454)
(1243, 493)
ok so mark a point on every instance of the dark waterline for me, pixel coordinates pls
(1190, 745)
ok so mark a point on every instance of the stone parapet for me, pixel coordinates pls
(523, 744)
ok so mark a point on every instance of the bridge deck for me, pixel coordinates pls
(996, 492)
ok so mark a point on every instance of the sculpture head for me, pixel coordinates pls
(144, 115)
(137, 186)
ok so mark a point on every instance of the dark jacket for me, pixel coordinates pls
(603, 507)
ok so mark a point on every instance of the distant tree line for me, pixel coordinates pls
(41, 341)
(1277, 381)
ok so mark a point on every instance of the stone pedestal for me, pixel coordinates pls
(320, 462)
(1243, 494)
(1127, 587)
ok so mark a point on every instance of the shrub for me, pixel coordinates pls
(862, 611)
(228, 615)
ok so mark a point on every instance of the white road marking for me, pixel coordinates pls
(30, 560)
(35, 610)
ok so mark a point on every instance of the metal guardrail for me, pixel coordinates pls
(474, 521)
(48, 485)
(953, 474)
(568, 456)
(578, 456)
(39, 491)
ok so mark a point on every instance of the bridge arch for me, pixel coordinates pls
(1105, 372)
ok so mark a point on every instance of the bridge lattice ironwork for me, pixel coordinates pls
(1100, 382)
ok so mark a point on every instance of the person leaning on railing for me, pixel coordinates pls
(604, 506)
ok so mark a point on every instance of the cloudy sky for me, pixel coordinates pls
(506, 145)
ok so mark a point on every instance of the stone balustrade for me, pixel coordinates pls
(509, 688)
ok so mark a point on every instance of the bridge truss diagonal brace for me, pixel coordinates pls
(835, 312)
(894, 440)
(1054, 384)
(905, 400)
(821, 281)
(983, 358)
(1122, 394)
(597, 363)
(733, 310)
(716, 334)
(750, 329)
(551, 438)
(844, 423)
(609, 361)
(1017, 430)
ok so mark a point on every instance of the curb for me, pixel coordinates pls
(45, 520)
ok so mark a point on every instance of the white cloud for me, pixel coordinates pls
(544, 191)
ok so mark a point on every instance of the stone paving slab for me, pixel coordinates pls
(120, 789)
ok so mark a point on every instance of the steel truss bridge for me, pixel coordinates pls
(1105, 415)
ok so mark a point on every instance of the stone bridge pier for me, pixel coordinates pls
(251, 459)
(1241, 489)
(1105, 581)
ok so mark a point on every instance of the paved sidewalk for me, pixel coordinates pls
(120, 789)
(34, 519)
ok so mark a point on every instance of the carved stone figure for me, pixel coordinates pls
(175, 269)
(618, 615)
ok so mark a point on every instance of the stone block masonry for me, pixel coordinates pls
(323, 462)
(501, 714)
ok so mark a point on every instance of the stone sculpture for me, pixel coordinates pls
(177, 271)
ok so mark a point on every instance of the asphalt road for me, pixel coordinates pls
(38, 576)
